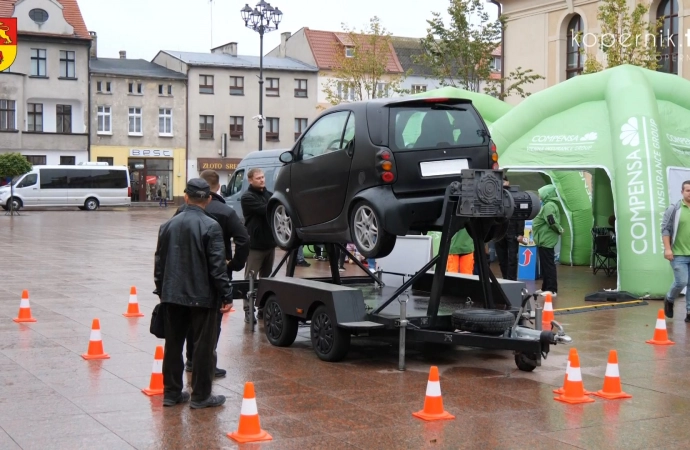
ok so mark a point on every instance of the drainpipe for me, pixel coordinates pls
(503, 46)
(88, 108)
(186, 115)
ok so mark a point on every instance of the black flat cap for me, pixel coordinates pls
(197, 187)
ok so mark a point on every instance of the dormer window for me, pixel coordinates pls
(349, 52)
(40, 16)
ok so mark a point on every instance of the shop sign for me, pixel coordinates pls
(223, 164)
(150, 153)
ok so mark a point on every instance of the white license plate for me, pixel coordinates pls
(447, 167)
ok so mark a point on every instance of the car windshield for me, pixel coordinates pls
(436, 126)
(16, 179)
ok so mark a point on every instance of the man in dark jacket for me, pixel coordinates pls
(192, 282)
(507, 247)
(233, 230)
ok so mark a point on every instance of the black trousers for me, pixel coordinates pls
(178, 320)
(547, 263)
(507, 254)
(190, 338)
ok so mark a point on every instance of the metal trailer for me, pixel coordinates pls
(337, 308)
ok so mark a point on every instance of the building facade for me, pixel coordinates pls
(540, 35)
(223, 102)
(44, 94)
(138, 119)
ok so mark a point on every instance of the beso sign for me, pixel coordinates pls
(150, 153)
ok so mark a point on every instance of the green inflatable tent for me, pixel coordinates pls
(628, 126)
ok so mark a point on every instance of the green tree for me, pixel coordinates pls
(361, 62)
(460, 54)
(625, 38)
(12, 165)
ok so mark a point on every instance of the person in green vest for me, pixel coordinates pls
(461, 253)
(547, 229)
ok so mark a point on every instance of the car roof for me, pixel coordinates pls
(264, 154)
(389, 101)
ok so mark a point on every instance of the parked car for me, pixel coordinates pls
(367, 172)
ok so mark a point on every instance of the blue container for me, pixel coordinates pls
(528, 263)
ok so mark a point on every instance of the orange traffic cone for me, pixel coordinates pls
(612, 380)
(133, 306)
(561, 390)
(249, 429)
(24, 309)
(547, 313)
(574, 388)
(156, 383)
(95, 343)
(660, 333)
(433, 403)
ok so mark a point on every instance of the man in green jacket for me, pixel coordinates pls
(546, 228)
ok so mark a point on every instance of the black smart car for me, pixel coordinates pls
(366, 172)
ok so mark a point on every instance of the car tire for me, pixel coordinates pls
(280, 328)
(91, 204)
(283, 228)
(526, 362)
(17, 203)
(484, 321)
(330, 342)
(363, 221)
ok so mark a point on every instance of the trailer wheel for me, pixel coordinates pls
(526, 362)
(280, 328)
(485, 321)
(331, 343)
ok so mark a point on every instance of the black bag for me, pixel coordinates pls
(158, 321)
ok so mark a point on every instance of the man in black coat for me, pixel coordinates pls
(507, 247)
(233, 230)
(191, 279)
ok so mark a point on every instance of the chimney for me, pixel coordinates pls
(228, 49)
(232, 49)
(93, 53)
(123, 54)
(282, 51)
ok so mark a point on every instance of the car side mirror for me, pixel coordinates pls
(286, 157)
(223, 190)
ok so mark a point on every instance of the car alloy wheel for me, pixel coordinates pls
(322, 333)
(282, 224)
(366, 228)
(273, 321)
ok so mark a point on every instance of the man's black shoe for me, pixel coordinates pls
(210, 402)
(687, 318)
(668, 308)
(220, 373)
(188, 366)
(303, 263)
(182, 398)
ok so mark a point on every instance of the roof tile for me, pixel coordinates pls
(70, 10)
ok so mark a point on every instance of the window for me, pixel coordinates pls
(205, 84)
(236, 128)
(34, 117)
(236, 182)
(94, 178)
(324, 136)
(40, 16)
(272, 129)
(135, 122)
(38, 62)
(107, 87)
(382, 90)
(421, 127)
(300, 126)
(36, 160)
(98, 86)
(417, 88)
(28, 180)
(105, 120)
(8, 115)
(132, 87)
(162, 90)
(67, 64)
(495, 65)
(349, 52)
(236, 85)
(105, 159)
(68, 160)
(574, 57)
(301, 88)
(668, 42)
(205, 127)
(170, 89)
(63, 119)
(346, 92)
(165, 122)
(272, 87)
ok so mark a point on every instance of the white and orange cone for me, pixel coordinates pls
(249, 429)
(660, 333)
(561, 390)
(612, 380)
(133, 306)
(156, 383)
(433, 403)
(24, 309)
(574, 389)
(95, 343)
(547, 313)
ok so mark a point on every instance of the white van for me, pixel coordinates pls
(266, 160)
(85, 186)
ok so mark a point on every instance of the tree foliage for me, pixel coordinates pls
(364, 67)
(13, 164)
(625, 38)
(459, 54)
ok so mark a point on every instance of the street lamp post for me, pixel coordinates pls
(262, 19)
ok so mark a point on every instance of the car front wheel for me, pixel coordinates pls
(283, 228)
(371, 239)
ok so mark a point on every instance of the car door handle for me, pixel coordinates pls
(35, 189)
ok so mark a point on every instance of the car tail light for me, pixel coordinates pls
(436, 100)
(129, 191)
(385, 166)
(493, 155)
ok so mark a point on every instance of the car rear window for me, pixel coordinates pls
(427, 127)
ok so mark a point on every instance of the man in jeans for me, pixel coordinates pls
(675, 232)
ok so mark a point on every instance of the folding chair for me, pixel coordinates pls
(603, 254)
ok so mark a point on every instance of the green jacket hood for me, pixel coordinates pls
(548, 193)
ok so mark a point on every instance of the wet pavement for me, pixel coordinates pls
(79, 266)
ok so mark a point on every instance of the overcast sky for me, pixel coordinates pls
(143, 27)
